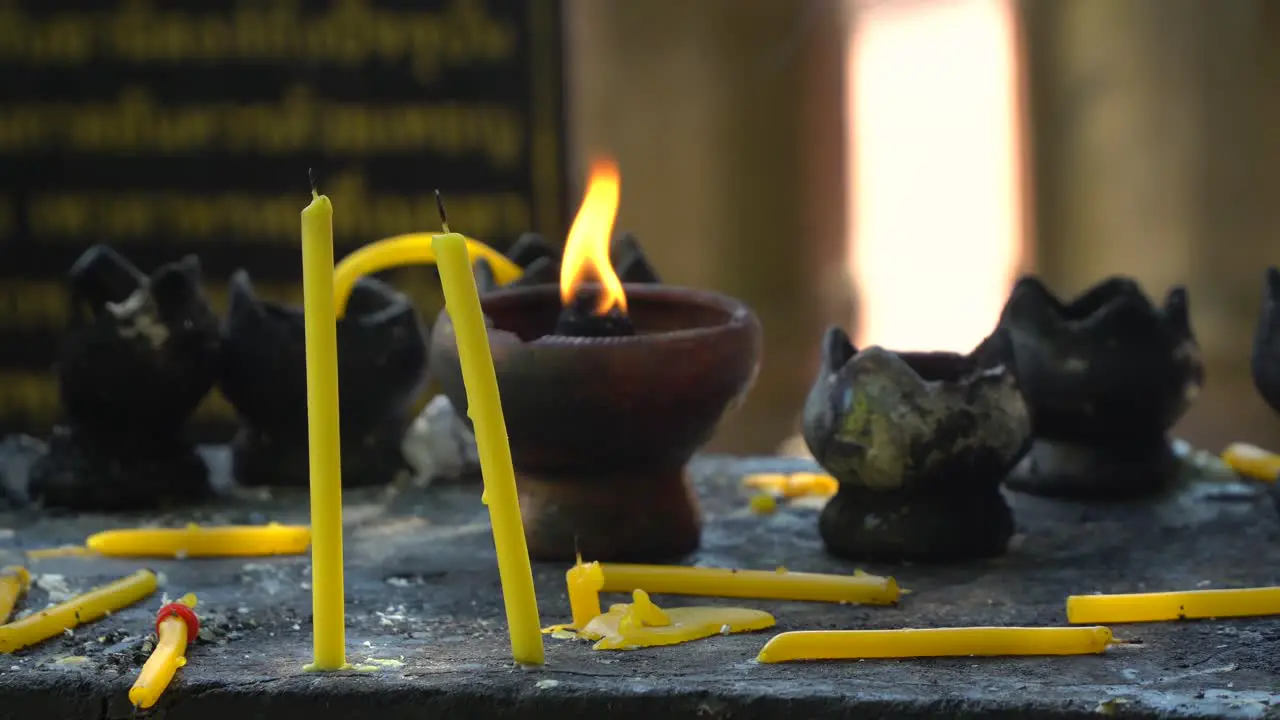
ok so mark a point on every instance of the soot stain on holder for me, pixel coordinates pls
(541, 262)
(601, 427)
(139, 356)
(381, 367)
(1106, 376)
(919, 444)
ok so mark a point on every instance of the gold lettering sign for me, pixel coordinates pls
(187, 126)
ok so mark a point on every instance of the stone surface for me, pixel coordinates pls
(425, 619)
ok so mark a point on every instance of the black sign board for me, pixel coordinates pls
(168, 127)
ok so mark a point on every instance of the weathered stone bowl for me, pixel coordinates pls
(919, 443)
(601, 428)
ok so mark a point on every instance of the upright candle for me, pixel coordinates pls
(485, 408)
(328, 622)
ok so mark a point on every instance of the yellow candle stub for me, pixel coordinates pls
(14, 581)
(642, 624)
(485, 408)
(586, 580)
(323, 436)
(1252, 462)
(172, 635)
(197, 541)
(793, 485)
(934, 642)
(81, 609)
(413, 249)
(1186, 605)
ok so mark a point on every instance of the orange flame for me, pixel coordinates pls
(586, 250)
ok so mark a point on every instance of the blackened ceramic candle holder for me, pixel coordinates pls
(140, 355)
(1106, 376)
(381, 367)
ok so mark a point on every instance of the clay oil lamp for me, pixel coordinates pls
(1105, 376)
(140, 354)
(919, 444)
(381, 367)
(608, 389)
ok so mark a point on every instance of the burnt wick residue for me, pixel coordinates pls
(580, 319)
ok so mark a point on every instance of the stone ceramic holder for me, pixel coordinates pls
(919, 443)
(140, 355)
(381, 366)
(1105, 376)
(601, 427)
(1266, 351)
(541, 262)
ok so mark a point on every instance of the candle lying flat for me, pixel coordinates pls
(174, 629)
(1252, 461)
(642, 624)
(414, 249)
(586, 580)
(1187, 605)
(323, 436)
(81, 609)
(59, 552)
(933, 642)
(197, 541)
(793, 485)
(485, 409)
(14, 581)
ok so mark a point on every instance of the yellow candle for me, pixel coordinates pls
(586, 578)
(60, 552)
(14, 581)
(485, 409)
(196, 541)
(81, 609)
(172, 635)
(1187, 605)
(793, 485)
(324, 440)
(1252, 461)
(641, 624)
(414, 249)
(935, 642)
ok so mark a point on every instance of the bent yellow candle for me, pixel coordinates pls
(175, 628)
(413, 249)
(81, 609)
(642, 624)
(485, 409)
(586, 580)
(1186, 605)
(323, 437)
(933, 642)
(794, 485)
(14, 581)
(197, 541)
(1252, 461)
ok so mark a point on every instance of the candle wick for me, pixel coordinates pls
(444, 218)
(311, 175)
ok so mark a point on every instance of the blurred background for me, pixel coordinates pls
(887, 165)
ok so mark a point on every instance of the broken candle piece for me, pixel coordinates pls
(412, 249)
(643, 624)
(793, 485)
(81, 609)
(1252, 461)
(176, 626)
(933, 642)
(196, 541)
(1187, 605)
(462, 302)
(586, 580)
(14, 581)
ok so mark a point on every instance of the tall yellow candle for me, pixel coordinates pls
(329, 624)
(485, 408)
